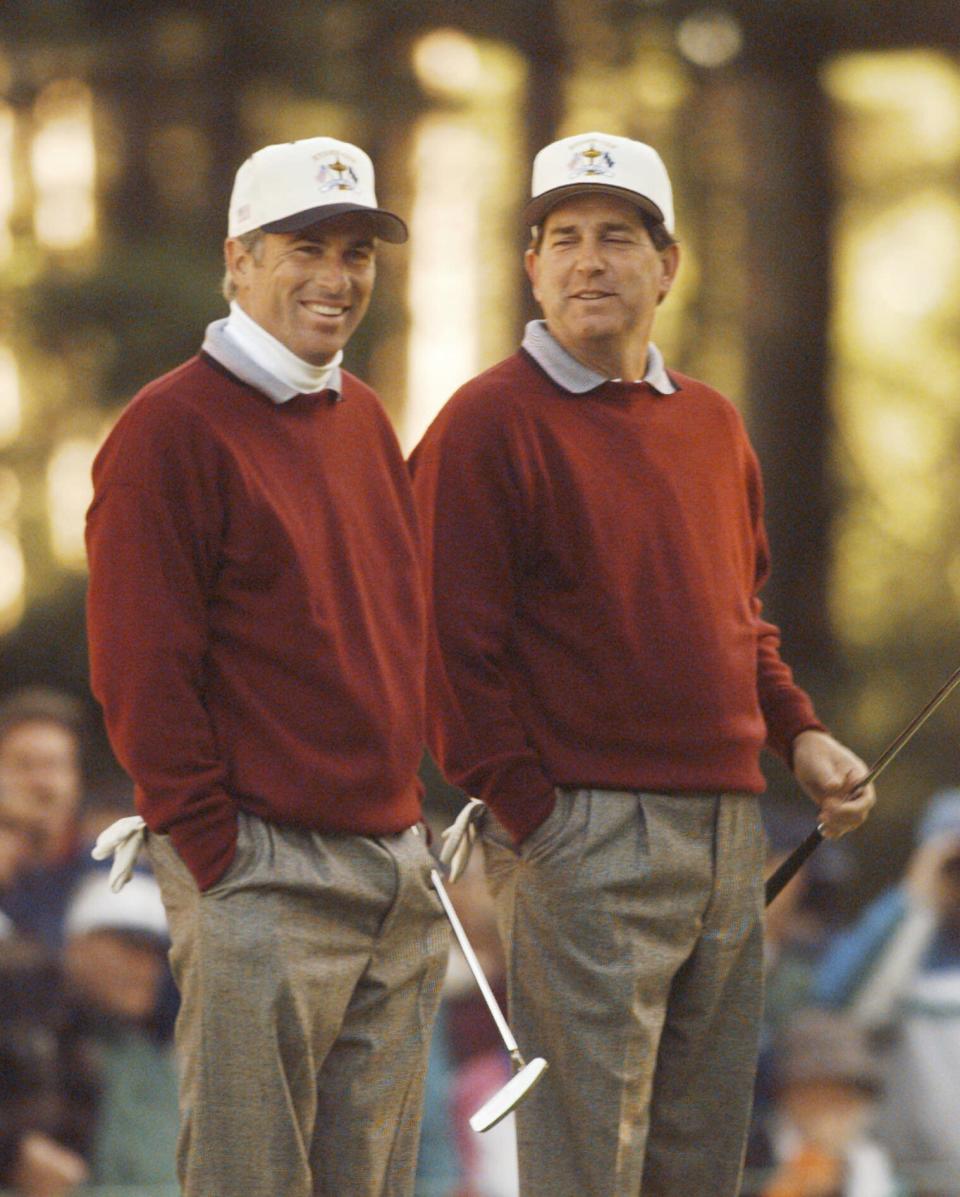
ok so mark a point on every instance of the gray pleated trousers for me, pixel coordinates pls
(309, 978)
(632, 924)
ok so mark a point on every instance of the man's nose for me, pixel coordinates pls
(589, 259)
(330, 271)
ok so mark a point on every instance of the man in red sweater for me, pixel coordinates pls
(604, 682)
(258, 641)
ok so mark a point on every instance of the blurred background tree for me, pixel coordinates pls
(815, 150)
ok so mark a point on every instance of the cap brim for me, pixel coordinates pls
(386, 226)
(537, 209)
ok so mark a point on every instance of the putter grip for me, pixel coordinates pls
(791, 866)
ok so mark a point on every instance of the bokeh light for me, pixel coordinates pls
(69, 491)
(710, 38)
(447, 62)
(63, 163)
(10, 399)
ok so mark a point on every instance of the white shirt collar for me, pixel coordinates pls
(274, 357)
(577, 378)
(245, 349)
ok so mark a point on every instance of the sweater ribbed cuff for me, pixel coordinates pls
(207, 850)
(522, 820)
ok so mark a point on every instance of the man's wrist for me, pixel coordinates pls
(816, 728)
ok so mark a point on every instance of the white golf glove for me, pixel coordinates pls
(121, 840)
(457, 841)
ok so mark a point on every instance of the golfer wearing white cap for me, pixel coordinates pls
(605, 683)
(258, 640)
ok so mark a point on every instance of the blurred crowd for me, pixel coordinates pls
(87, 1080)
(858, 1089)
(859, 1080)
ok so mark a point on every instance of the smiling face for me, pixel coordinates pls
(309, 289)
(598, 278)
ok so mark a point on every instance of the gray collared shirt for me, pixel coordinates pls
(577, 378)
(230, 355)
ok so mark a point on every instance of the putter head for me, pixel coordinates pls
(512, 1093)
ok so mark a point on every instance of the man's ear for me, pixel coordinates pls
(530, 261)
(670, 260)
(238, 260)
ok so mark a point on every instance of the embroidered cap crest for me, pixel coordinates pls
(333, 173)
(587, 161)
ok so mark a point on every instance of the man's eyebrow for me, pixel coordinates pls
(608, 226)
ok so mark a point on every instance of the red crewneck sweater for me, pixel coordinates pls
(594, 562)
(256, 612)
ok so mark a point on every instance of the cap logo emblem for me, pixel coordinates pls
(590, 162)
(333, 174)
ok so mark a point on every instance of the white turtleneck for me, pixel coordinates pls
(274, 357)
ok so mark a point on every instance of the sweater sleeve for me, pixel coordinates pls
(787, 709)
(475, 526)
(152, 534)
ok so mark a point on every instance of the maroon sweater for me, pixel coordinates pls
(594, 563)
(256, 612)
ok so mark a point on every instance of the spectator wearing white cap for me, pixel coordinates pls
(897, 972)
(87, 1090)
(114, 955)
(48, 1092)
(605, 682)
(258, 634)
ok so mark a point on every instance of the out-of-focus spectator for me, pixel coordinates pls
(41, 786)
(40, 766)
(897, 972)
(114, 959)
(45, 1168)
(800, 924)
(16, 856)
(818, 1142)
(797, 928)
(87, 1089)
(46, 1122)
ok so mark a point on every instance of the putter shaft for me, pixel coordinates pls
(788, 869)
(488, 996)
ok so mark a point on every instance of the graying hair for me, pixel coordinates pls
(252, 242)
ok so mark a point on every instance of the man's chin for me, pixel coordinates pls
(596, 334)
(599, 326)
(318, 353)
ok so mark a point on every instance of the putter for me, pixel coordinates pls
(526, 1075)
(787, 870)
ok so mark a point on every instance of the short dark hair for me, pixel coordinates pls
(659, 234)
(41, 704)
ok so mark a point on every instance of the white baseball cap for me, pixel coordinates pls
(283, 188)
(590, 161)
(137, 907)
